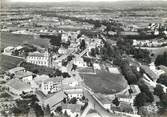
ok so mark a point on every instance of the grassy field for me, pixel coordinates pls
(105, 82)
(8, 62)
(9, 39)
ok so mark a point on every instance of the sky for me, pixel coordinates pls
(76, 0)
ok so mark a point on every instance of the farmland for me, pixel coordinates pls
(9, 39)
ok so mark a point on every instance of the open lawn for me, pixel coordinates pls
(9, 39)
(8, 62)
(104, 82)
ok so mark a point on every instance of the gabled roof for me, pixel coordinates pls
(23, 74)
(16, 69)
(149, 72)
(72, 107)
(54, 99)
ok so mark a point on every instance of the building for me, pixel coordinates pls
(8, 50)
(21, 74)
(64, 37)
(80, 62)
(73, 110)
(52, 100)
(16, 70)
(96, 66)
(77, 93)
(149, 73)
(62, 50)
(17, 86)
(48, 85)
(42, 59)
(71, 82)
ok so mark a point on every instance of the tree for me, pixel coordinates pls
(56, 40)
(92, 52)
(140, 100)
(158, 90)
(64, 100)
(73, 100)
(65, 75)
(74, 67)
(57, 72)
(47, 111)
(82, 45)
(161, 59)
(38, 110)
(59, 109)
(116, 101)
(145, 89)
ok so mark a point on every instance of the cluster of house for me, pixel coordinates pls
(49, 90)
(149, 43)
(157, 28)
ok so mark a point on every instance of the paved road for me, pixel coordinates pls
(96, 106)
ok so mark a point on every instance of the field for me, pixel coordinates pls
(8, 62)
(105, 82)
(9, 39)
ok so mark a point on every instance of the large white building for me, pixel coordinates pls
(48, 85)
(42, 59)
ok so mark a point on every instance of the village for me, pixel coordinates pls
(98, 68)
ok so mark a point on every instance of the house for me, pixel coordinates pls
(72, 82)
(17, 86)
(80, 62)
(48, 85)
(73, 110)
(52, 100)
(25, 76)
(163, 68)
(8, 50)
(158, 72)
(22, 74)
(96, 66)
(149, 73)
(64, 37)
(15, 70)
(77, 93)
(135, 90)
(42, 59)
(62, 50)
(114, 70)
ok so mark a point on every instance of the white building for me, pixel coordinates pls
(96, 66)
(64, 37)
(42, 59)
(48, 85)
(71, 82)
(8, 50)
(80, 62)
(77, 93)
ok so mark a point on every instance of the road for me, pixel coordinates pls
(94, 104)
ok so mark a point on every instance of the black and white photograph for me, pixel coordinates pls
(83, 58)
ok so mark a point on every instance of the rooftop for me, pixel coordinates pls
(23, 74)
(72, 107)
(149, 72)
(16, 69)
(54, 99)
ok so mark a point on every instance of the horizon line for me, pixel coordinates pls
(68, 1)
